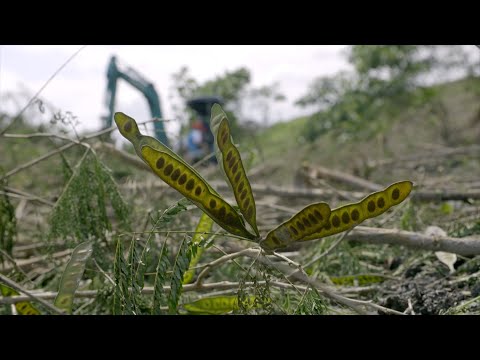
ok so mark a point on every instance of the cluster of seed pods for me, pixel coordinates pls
(313, 222)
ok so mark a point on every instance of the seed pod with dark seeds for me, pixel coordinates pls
(196, 189)
(129, 129)
(307, 221)
(230, 162)
(348, 216)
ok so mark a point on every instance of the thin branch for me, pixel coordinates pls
(30, 296)
(41, 89)
(301, 276)
(37, 259)
(223, 285)
(29, 196)
(34, 135)
(329, 250)
(63, 148)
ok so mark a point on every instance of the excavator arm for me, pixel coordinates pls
(141, 84)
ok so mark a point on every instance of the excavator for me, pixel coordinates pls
(200, 105)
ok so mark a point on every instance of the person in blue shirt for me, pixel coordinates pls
(197, 145)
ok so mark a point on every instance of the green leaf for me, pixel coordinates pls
(204, 226)
(159, 297)
(132, 263)
(72, 275)
(8, 224)
(230, 162)
(142, 265)
(121, 300)
(81, 210)
(180, 266)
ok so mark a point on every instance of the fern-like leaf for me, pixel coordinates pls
(180, 266)
(121, 301)
(159, 297)
(8, 224)
(81, 210)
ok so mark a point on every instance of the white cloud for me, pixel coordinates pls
(80, 87)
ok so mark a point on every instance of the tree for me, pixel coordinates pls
(233, 86)
(386, 79)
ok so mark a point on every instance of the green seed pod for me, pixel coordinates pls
(359, 280)
(230, 162)
(129, 129)
(348, 216)
(23, 307)
(196, 189)
(307, 221)
(217, 305)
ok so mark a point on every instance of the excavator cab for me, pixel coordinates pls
(202, 106)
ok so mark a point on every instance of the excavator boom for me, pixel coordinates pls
(141, 84)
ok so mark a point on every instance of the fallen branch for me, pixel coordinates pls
(37, 259)
(320, 172)
(29, 296)
(462, 246)
(321, 195)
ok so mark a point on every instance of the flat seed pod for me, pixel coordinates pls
(357, 280)
(195, 188)
(348, 216)
(306, 222)
(128, 127)
(230, 162)
(72, 275)
(23, 307)
(216, 305)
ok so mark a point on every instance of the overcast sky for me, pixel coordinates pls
(81, 86)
